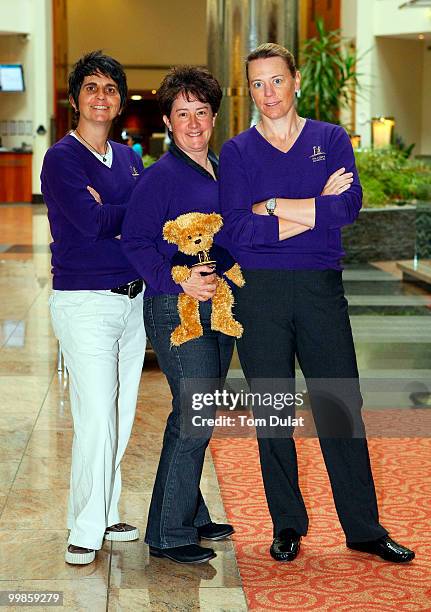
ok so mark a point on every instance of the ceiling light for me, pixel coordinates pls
(136, 97)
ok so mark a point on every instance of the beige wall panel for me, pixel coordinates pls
(17, 106)
(389, 20)
(348, 18)
(397, 91)
(426, 103)
(15, 16)
(145, 79)
(35, 104)
(161, 32)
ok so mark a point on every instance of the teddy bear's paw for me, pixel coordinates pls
(182, 334)
(180, 274)
(229, 327)
(235, 275)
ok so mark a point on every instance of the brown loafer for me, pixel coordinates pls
(121, 532)
(77, 555)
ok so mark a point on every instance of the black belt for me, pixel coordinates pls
(131, 289)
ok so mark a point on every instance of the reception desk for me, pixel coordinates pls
(15, 177)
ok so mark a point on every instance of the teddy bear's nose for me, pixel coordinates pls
(198, 241)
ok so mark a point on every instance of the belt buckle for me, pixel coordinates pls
(131, 289)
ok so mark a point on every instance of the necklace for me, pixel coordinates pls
(295, 131)
(102, 155)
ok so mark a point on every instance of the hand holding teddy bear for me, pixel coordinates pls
(194, 233)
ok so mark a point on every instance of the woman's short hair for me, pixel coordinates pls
(96, 62)
(272, 50)
(192, 82)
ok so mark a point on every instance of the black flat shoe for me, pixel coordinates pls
(385, 548)
(190, 553)
(215, 531)
(286, 545)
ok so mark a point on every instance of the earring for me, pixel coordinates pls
(298, 93)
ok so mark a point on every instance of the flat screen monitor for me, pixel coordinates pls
(11, 77)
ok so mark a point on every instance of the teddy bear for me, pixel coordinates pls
(193, 233)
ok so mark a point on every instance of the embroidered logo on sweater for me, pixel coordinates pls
(318, 154)
(134, 171)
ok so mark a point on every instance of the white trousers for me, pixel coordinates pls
(102, 337)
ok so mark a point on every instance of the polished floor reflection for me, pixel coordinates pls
(35, 441)
(392, 327)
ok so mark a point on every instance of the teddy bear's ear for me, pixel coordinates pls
(170, 231)
(215, 222)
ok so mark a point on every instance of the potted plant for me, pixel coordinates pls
(329, 75)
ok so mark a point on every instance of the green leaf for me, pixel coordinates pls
(329, 73)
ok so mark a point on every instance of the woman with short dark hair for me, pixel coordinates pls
(183, 180)
(96, 304)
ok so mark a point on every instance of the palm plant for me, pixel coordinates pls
(329, 75)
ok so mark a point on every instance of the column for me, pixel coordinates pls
(365, 46)
(235, 27)
(42, 84)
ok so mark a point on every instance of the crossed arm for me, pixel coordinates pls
(298, 216)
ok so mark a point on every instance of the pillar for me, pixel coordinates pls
(235, 27)
(41, 40)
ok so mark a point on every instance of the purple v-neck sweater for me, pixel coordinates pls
(252, 170)
(169, 188)
(85, 252)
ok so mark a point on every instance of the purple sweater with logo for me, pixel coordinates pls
(169, 188)
(85, 252)
(252, 170)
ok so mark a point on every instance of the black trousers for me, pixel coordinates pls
(304, 313)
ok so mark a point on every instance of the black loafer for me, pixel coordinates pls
(215, 531)
(385, 548)
(190, 553)
(286, 545)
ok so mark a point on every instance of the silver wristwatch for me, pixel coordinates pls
(270, 206)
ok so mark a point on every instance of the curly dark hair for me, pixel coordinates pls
(96, 62)
(192, 82)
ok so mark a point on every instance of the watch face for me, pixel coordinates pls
(270, 205)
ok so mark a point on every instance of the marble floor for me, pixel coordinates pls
(392, 327)
(35, 441)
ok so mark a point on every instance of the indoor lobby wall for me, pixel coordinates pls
(348, 18)
(26, 38)
(15, 49)
(426, 102)
(150, 36)
(390, 20)
(397, 86)
(15, 16)
(394, 67)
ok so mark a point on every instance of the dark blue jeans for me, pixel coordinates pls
(177, 506)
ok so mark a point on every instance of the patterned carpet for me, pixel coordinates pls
(334, 578)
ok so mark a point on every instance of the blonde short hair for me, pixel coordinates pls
(272, 50)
